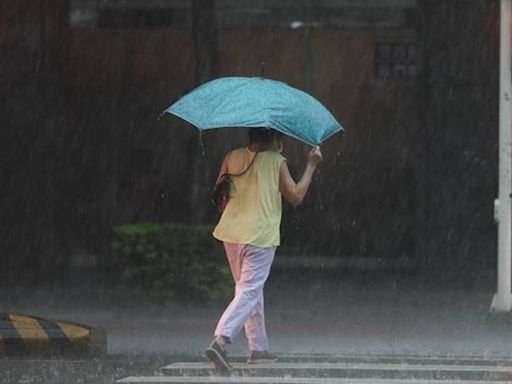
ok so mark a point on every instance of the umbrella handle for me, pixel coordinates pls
(262, 69)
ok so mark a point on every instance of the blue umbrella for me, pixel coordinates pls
(257, 102)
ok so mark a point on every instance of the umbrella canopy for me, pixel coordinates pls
(257, 102)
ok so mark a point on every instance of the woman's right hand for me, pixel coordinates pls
(293, 192)
(315, 156)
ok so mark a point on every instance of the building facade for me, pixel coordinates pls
(392, 72)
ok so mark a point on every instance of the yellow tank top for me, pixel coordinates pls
(253, 213)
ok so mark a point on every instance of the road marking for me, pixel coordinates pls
(284, 380)
(397, 359)
(347, 372)
(344, 366)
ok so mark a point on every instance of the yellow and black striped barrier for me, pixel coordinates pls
(23, 335)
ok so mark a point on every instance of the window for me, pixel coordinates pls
(395, 61)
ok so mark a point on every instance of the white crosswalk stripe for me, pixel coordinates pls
(285, 380)
(341, 366)
(342, 370)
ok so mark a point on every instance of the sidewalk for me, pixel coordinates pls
(303, 317)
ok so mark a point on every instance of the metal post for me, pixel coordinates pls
(502, 300)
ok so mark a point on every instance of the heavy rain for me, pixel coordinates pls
(370, 150)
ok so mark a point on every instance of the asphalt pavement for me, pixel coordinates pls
(309, 315)
(338, 315)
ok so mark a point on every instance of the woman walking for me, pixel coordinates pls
(249, 229)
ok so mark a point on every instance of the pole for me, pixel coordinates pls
(502, 301)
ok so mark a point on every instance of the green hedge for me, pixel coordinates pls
(172, 260)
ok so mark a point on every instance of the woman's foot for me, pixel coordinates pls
(216, 353)
(258, 357)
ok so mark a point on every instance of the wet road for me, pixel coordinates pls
(319, 318)
(291, 369)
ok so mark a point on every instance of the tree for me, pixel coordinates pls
(204, 23)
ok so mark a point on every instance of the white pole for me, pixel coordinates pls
(502, 300)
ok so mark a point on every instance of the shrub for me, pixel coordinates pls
(172, 260)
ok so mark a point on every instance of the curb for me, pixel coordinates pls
(26, 335)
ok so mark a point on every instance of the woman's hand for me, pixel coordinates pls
(293, 192)
(315, 156)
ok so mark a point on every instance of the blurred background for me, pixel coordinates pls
(407, 189)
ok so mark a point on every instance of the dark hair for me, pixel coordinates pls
(263, 135)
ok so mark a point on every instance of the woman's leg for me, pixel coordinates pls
(255, 328)
(233, 254)
(255, 323)
(255, 265)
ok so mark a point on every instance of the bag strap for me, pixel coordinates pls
(241, 173)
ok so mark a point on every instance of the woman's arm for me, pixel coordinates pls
(293, 192)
